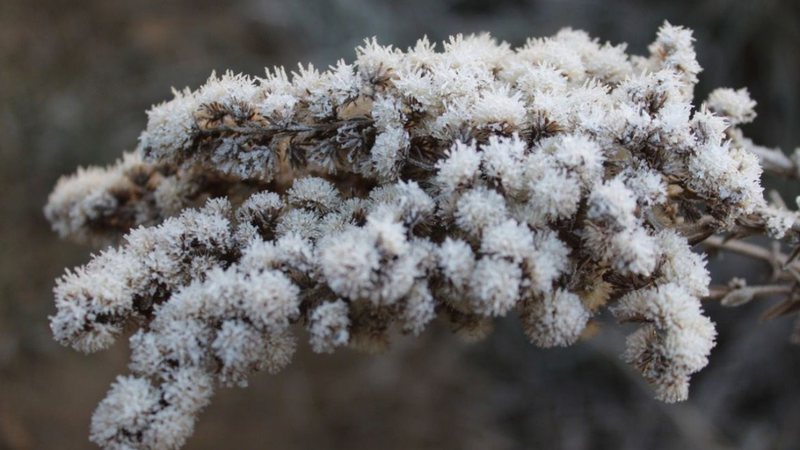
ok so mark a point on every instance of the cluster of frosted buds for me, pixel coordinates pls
(546, 181)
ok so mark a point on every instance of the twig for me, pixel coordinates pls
(783, 266)
(285, 129)
(719, 292)
(744, 248)
(775, 161)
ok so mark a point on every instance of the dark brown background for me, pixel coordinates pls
(75, 79)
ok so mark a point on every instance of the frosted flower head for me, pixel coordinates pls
(674, 49)
(613, 202)
(124, 412)
(553, 192)
(735, 105)
(494, 286)
(315, 194)
(681, 265)
(674, 343)
(459, 169)
(499, 109)
(508, 240)
(502, 161)
(328, 326)
(549, 260)
(557, 319)
(478, 209)
(389, 152)
(577, 154)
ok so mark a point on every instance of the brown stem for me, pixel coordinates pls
(272, 130)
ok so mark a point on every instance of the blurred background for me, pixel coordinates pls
(75, 79)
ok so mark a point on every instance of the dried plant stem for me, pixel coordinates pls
(783, 266)
(744, 248)
(766, 290)
(776, 162)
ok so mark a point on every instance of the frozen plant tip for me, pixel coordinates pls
(549, 181)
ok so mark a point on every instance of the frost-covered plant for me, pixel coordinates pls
(548, 181)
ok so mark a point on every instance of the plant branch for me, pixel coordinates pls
(765, 290)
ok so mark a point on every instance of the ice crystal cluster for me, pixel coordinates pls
(548, 181)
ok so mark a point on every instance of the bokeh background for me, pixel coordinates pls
(75, 79)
